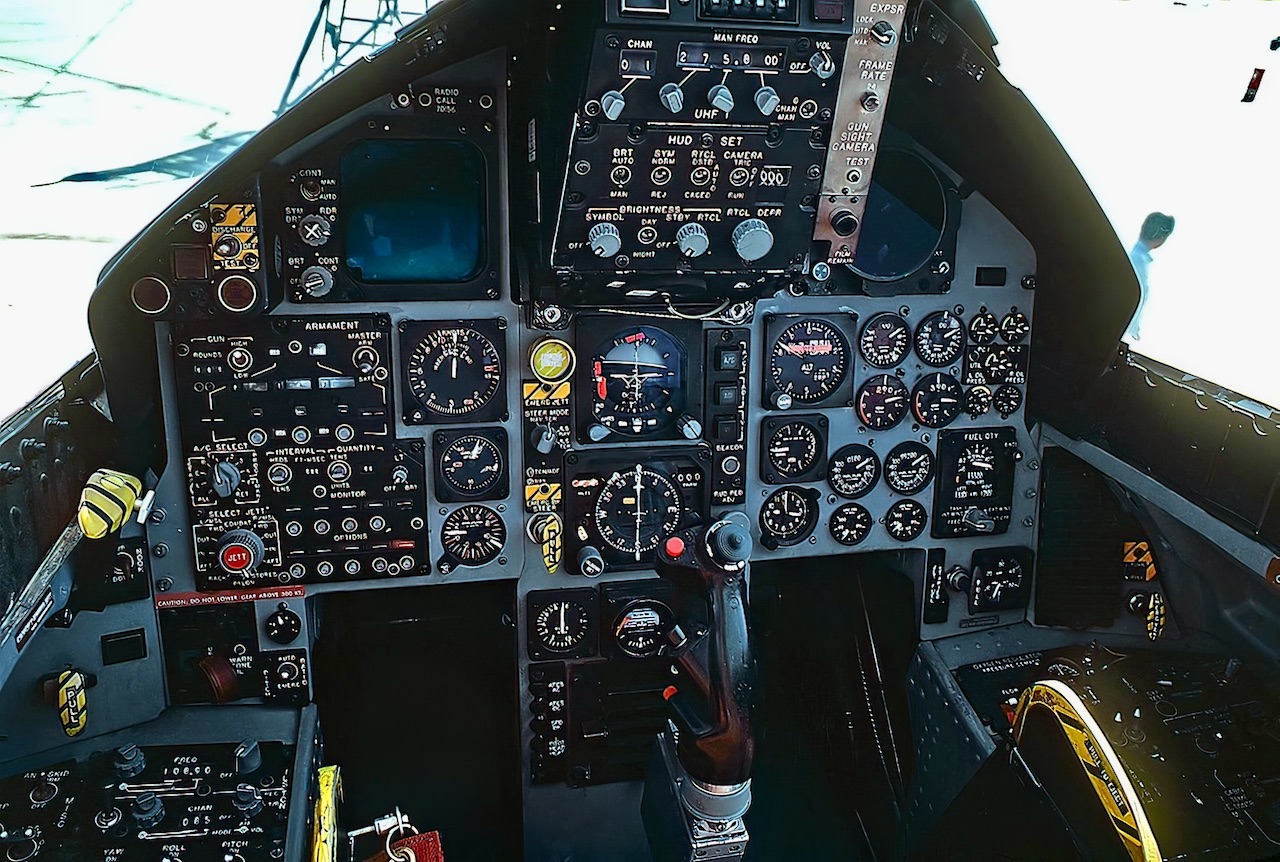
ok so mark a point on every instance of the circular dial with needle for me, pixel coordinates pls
(471, 465)
(937, 400)
(850, 524)
(641, 629)
(793, 449)
(906, 520)
(454, 371)
(885, 341)
(1007, 399)
(882, 402)
(908, 467)
(940, 339)
(997, 585)
(983, 328)
(789, 515)
(636, 510)
(809, 360)
(976, 472)
(853, 471)
(1015, 327)
(561, 625)
(977, 401)
(473, 535)
(637, 380)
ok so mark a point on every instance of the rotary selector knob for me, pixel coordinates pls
(247, 800)
(767, 100)
(822, 65)
(689, 428)
(148, 810)
(612, 104)
(129, 761)
(721, 98)
(672, 97)
(605, 240)
(316, 281)
(224, 478)
(752, 239)
(590, 562)
(315, 230)
(240, 551)
(693, 240)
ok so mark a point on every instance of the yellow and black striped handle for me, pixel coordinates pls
(106, 502)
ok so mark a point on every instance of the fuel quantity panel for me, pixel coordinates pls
(699, 145)
(898, 423)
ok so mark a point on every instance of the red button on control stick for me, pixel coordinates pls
(674, 547)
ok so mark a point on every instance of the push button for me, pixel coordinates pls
(829, 10)
(728, 359)
(726, 395)
(728, 429)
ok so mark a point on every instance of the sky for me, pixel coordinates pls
(1144, 94)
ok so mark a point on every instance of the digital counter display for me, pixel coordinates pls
(706, 55)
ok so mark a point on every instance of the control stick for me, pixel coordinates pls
(698, 785)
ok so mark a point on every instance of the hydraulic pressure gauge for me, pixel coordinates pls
(983, 328)
(1015, 327)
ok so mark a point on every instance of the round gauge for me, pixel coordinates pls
(885, 340)
(1015, 327)
(882, 402)
(908, 467)
(561, 625)
(641, 629)
(853, 471)
(904, 190)
(905, 520)
(636, 510)
(473, 535)
(977, 401)
(999, 586)
(983, 328)
(809, 360)
(283, 626)
(1007, 400)
(789, 515)
(850, 524)
(471, 465)
(998, 364)
(940, 339)
(637, 380)
(454, 371)
(793, 449)
(937, 400)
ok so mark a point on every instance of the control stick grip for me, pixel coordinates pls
(712, 701)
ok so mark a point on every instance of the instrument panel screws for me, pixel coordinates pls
(199, 225)
(1029, 282)
(612, 43)
(1028, 522)
(1034, 465)
(164, 584)
(821, 270)
(160, 549)
(157, 516)
(814, 172)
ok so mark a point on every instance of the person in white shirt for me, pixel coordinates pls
(1156, 228)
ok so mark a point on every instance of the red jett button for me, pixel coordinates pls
(674, 547)
(235, 558)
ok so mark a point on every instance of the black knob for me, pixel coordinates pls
(248, 757)
(959, 579)
(224, 478)
(844, 222)
(148, 810)
(729, 543)
(247, 800)
(129, 761)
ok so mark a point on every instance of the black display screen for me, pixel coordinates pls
(414, 211)
(905, 218)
